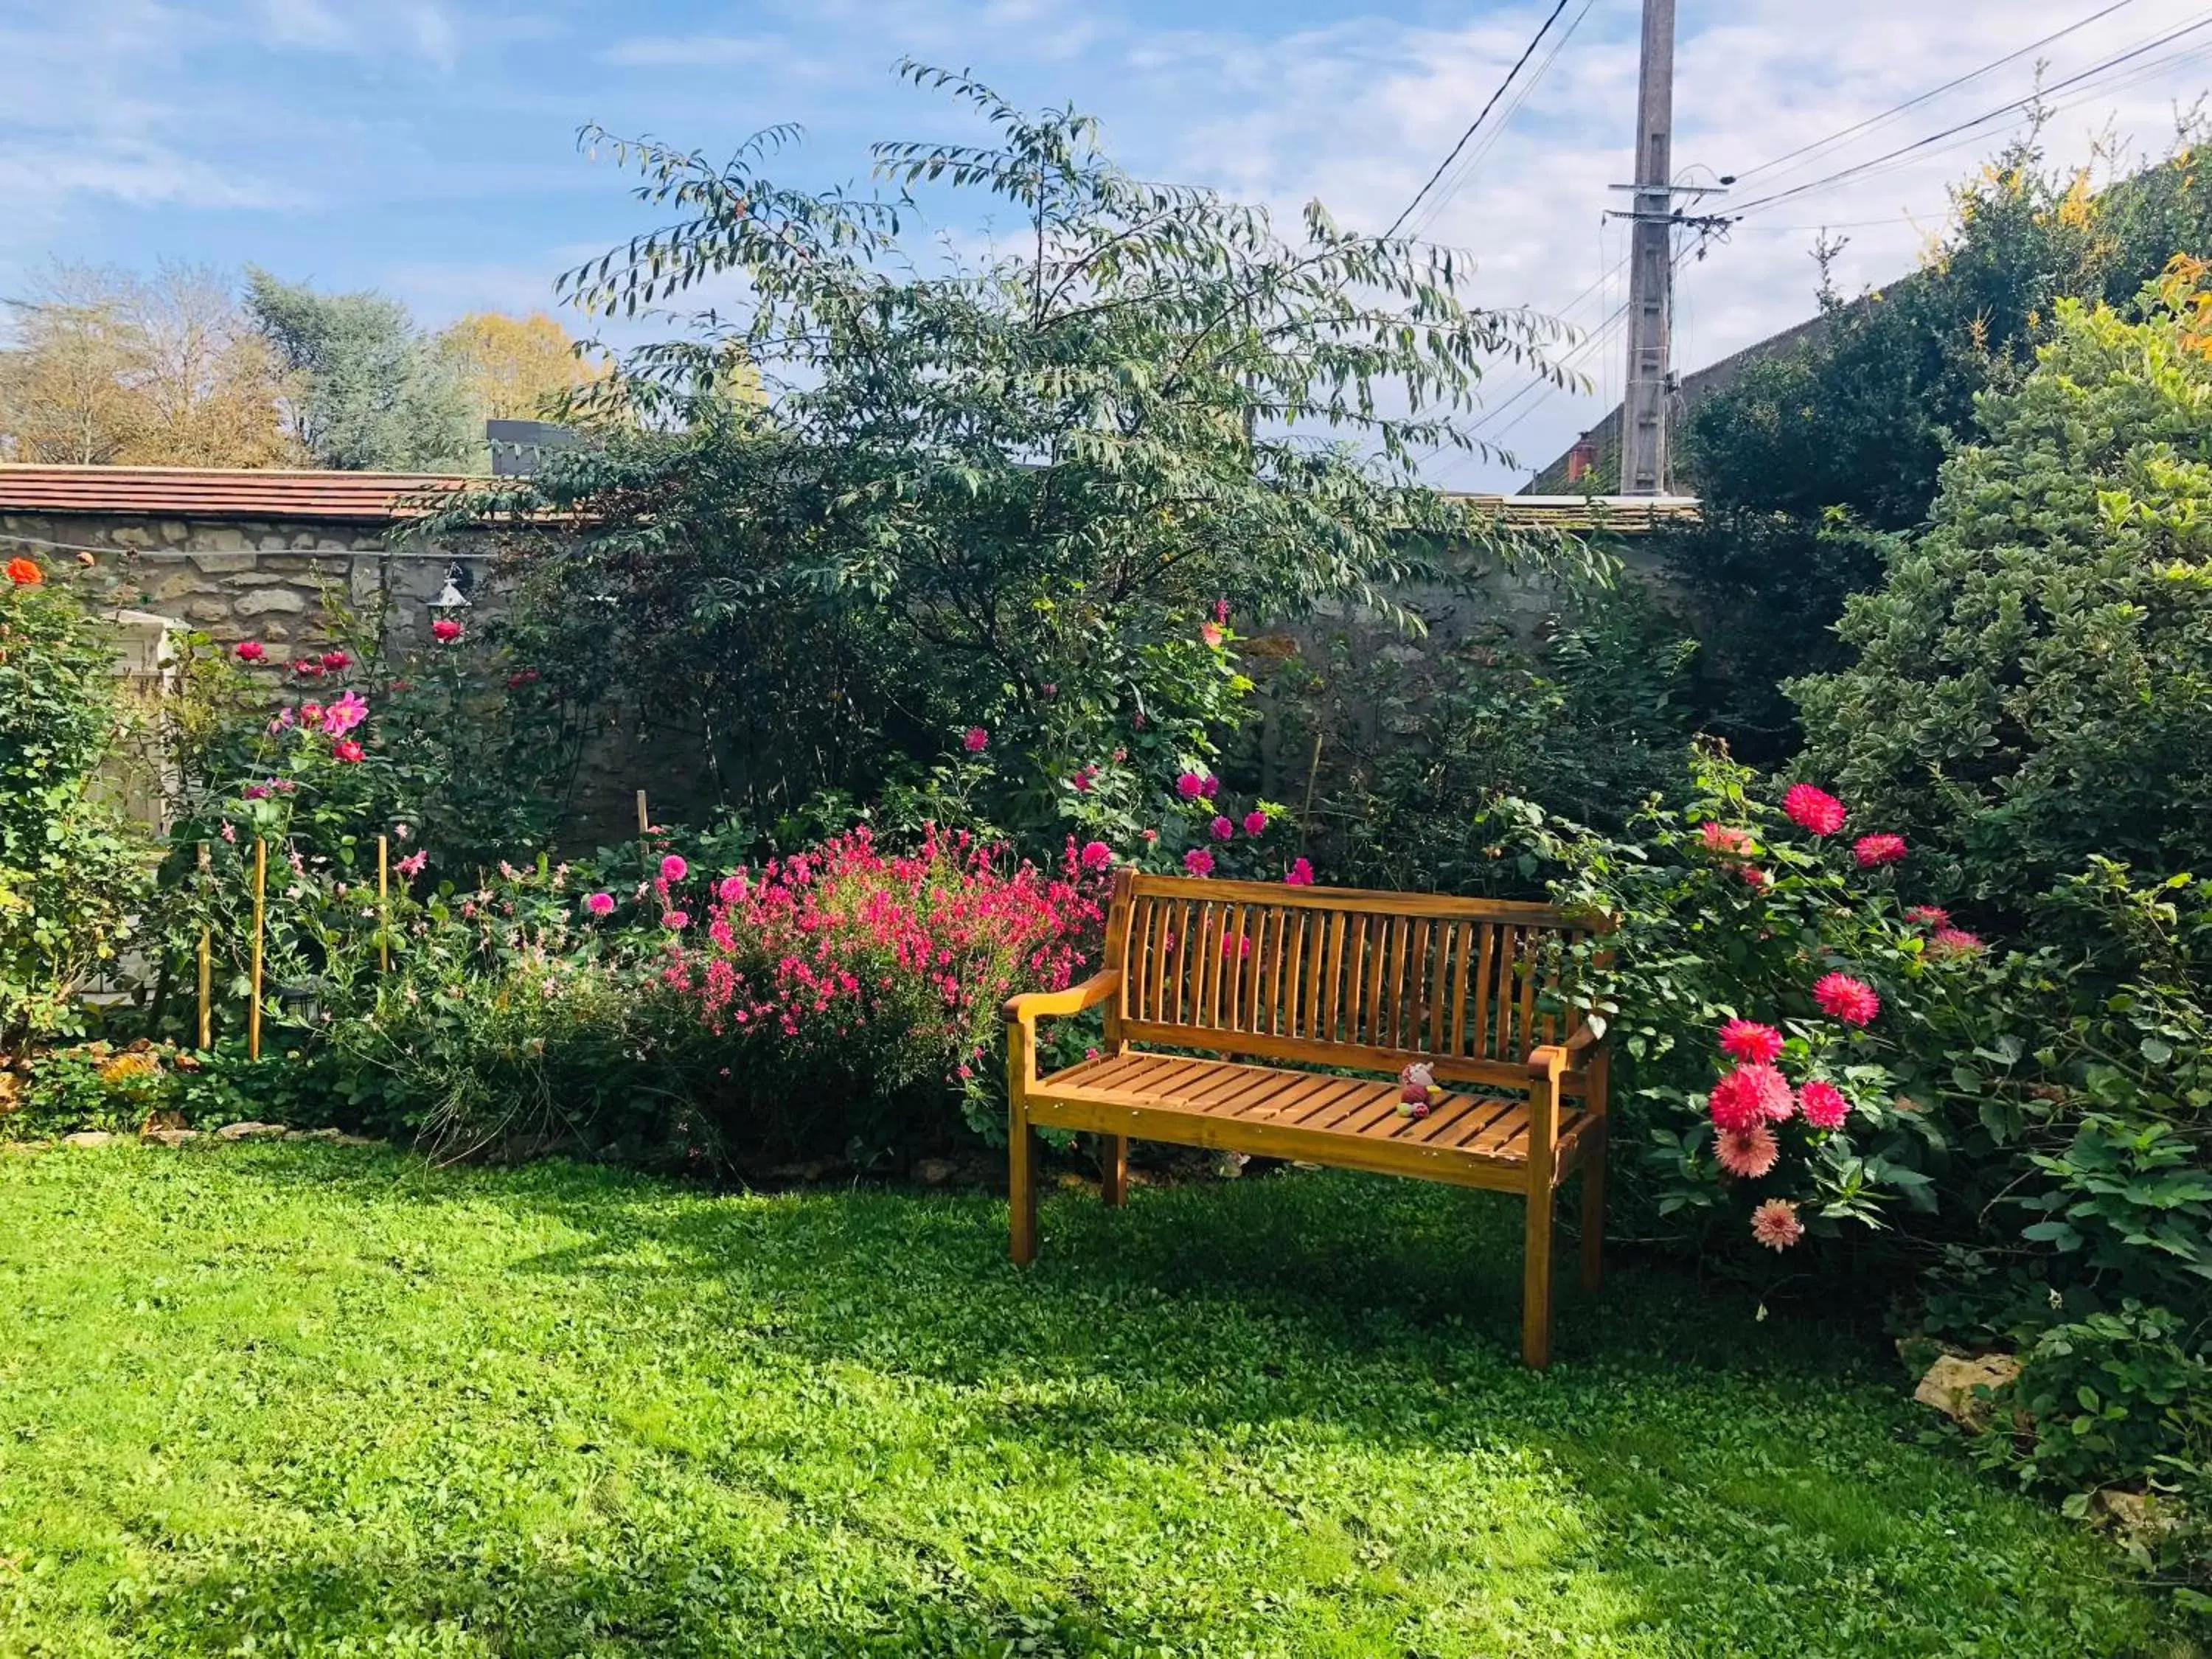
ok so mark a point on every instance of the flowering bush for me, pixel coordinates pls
(848, 979)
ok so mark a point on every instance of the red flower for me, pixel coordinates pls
(1255, 822)
(1081, 780)
(307, 668)
(521, 677)
(1823, 1105)
(1754, 877)
(1850, 1001)
(977, 740)
(1750, 1096)
(336, 661)
(1928, 915)
(445, 630)
(1189, 786)
(1096, 856)
(250, 650)
(1300, 874)
(1222, 829)
(1813, 809)
(347, 749)
(1725, 839)
(1198, 861)
(24, 573)
(1747, 1039)
(1873, 850)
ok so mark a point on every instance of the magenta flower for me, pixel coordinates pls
(1211, 787)
(411, 865)
(255, 792)
(1300, 874)
(250, 650)
(600, 904)
(1198, 861)
(445, 630)
(1096, 856)
(1256, 822)
(1823, 1105)
(1873, 851)
(673, 868)
(675, 920)
(1747, 1039)
(1190, 785)
(1748, 1097)
(1813, 809)
(976, 741)
(344, 713)
(1850, 1001)
(1223, 829)
(732, 889)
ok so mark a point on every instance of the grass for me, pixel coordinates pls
(296, 1399)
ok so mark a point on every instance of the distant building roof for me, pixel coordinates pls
(186, 492)
(192, 492)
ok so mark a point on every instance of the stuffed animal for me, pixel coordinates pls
(1418, 1089)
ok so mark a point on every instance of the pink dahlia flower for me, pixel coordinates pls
(1823, 1105)
(1775, 1223)
(344, 713)
(1954, 942)
(1874, 851)
(1754, 877)
(1198, 861)
(673, 868)
(676, 921)
(1255, 822)
(1190, 785)
(1813, 809)
(411, 865)
(1725, 839)
(1747, 1039)
(732, 889)
(1222, 829)
(1748, 1097)
(1928, 915)
(1300, 874)
(1749, 1153)
(1852, 1000)
(1096, 856)
(1211, 633)
(977, 740)
(600, 904)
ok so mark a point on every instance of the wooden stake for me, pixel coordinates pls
(206, 964)
(260, 892)
(644, 848)
(383, 904)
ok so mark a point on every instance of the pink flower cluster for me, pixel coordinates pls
(846, 943)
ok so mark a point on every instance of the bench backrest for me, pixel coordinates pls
(1337, 975)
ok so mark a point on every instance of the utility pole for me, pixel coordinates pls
(1651, 262)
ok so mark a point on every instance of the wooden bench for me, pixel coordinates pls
(1251, 972)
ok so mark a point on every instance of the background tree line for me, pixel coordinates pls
(188, 366)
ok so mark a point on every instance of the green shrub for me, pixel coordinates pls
(2032, 684)
(72, 872)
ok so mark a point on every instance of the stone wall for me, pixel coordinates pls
(273, 581)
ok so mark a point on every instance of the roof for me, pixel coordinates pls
(187, 492)
(191, 492)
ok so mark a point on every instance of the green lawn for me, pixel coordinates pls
(298, 1399)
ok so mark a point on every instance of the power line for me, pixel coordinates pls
(1527, 52)
(1490, 140)
(1933, 93)
(1858, 169)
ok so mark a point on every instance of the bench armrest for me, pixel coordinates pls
(1039, 1005)
(1559, 1058)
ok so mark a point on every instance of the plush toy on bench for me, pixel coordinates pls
(1417, 1089)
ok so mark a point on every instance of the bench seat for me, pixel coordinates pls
(1347, 1122)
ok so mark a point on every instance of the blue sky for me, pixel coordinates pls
(426, 146)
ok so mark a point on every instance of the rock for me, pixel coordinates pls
(88, 1138)
(184, 586)
(250, 1131)
(263, 600)
(2139, 1518)
(169, 1137)
(935, 1171)
(1950, 1383)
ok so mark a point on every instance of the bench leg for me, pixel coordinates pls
(1114, 1167)
(1021, 1186)
(1536, 1281)
(1594, 1216)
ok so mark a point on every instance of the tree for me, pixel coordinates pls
(1807, 460)
(2031, 683)
(371, 393)
(1008, 498)
(515, 367)
(110, 366)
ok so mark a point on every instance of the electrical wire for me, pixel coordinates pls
(1895, 110)
(1924, 145)
(1527, 53)
(1490, 140)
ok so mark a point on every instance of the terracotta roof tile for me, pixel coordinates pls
(186, 492)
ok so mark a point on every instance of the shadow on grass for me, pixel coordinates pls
(1703, 1479)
